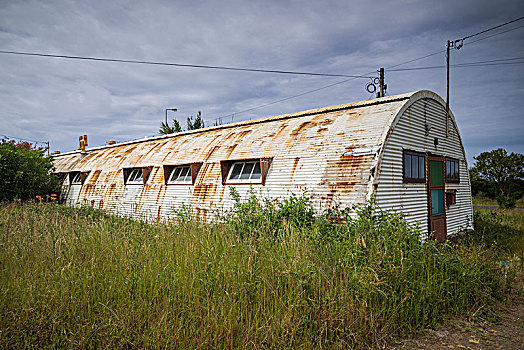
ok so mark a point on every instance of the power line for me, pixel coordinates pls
(23, 139)
(498, 62)
(473, 64)
(492, 35)
(490, 29)
(289, 98)
(466, 37)
(114, 60)
(416, 59)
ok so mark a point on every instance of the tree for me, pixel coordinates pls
(25, 171)
(197, 124)
(168, 129)
(503, 171)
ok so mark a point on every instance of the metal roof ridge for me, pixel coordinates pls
(352, 105)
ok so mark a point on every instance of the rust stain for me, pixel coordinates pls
(230, 150)
(301, 128)
(201, 213)
(111, 189)
(203, 191)
(93, 178)
(88, 189)
(295, 164)
(242, 134)
(344, 173)
(211, 152)
(281, 128)
(128, 150)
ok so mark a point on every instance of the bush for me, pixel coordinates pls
(26, 172)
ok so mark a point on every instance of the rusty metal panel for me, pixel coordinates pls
(307, 149)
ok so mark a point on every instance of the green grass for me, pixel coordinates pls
(78, 278)
(502, 231)
(485, 201)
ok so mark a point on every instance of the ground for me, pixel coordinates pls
(502, 327)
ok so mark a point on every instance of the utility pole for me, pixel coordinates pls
(381, 82)
(448, 45)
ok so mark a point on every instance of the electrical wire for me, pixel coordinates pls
(22, 139)
(498, 62)
(287, 98)
(99, 59)
(490, 29)
(492, 35)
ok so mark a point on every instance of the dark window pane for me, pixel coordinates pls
(256, 171)
(414, 167)
(421, 168)
(448, 169)
(436, 171)
(437, 202)
(235, 173)
(185, 174)
(407, 165)
(246, 173)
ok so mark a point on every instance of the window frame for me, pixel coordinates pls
(82, 176)
(450, 179)
(145, 175)
(406, 179)
(227, 167)
(194, 169)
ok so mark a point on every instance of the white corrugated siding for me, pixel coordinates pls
(307, 150)
(409, 134)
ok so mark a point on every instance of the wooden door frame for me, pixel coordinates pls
(432, 157)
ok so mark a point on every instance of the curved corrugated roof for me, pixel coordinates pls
(308, 150)
(368, 117)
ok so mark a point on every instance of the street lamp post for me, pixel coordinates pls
(170, 109)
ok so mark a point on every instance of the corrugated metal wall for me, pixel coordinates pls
(409, 134)
(307, 150)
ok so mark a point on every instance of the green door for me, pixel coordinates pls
(437, 208)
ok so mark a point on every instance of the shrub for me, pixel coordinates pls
(25, 172)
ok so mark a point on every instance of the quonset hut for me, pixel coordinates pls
(399, 149)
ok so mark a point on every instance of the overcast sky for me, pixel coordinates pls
(58, 99)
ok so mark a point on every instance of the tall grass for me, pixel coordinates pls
(259, 278)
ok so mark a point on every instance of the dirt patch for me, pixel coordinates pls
(502, 327)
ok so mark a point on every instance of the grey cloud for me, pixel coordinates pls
(58, 99)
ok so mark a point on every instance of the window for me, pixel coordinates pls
(452, 170)
(245, 171)
(414, 167)
(77, 177)
(249, 171)
(181, 174)
(185, 174)
(136, 176)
